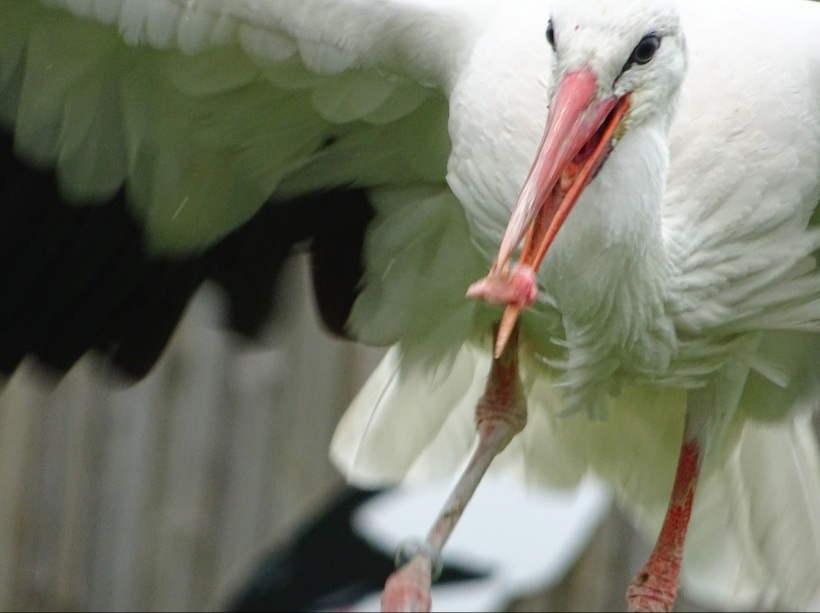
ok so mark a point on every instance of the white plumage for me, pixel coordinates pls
(203, 109)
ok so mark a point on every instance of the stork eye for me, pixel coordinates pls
(645, 50)
(551, 35)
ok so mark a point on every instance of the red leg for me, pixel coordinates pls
(655, 586)
(500, 414)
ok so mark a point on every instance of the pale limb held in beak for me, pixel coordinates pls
(581, 131)
(501, 413)
(517, 287)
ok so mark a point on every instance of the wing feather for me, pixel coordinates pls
(204, 110)
(434, 416)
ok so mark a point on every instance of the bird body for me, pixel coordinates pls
(683, 282)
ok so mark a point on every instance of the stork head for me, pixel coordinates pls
(619, 64)
(629, 48)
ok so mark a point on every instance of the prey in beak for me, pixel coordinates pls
(580, 134)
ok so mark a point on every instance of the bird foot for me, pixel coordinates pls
(408, 588)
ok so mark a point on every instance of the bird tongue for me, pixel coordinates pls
(577, 140)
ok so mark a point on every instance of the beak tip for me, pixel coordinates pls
(505, 329)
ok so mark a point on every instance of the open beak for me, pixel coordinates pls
(580, 134)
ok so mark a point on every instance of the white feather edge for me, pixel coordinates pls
(433, 421)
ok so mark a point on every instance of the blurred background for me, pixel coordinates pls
(166, 494)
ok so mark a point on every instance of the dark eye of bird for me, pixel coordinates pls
(643, 51)
(646, 49)
(551, 34)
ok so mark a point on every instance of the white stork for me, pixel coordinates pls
(677, 176)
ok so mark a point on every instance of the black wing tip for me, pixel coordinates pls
(77, 278)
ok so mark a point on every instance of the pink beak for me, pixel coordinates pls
(577, 140)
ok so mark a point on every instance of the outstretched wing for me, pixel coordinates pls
(185, 119)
